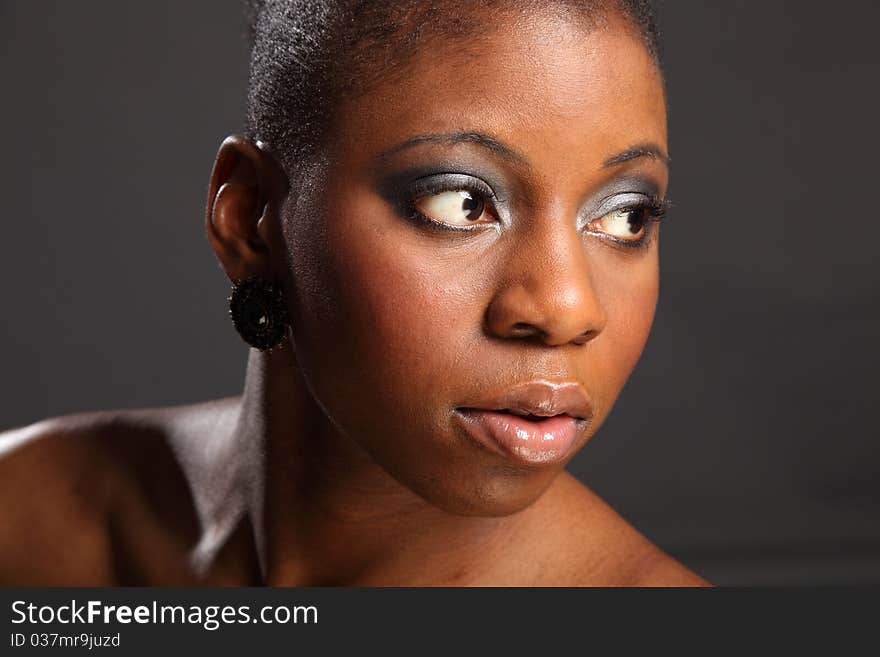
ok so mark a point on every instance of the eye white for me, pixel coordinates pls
(624, 224)
(458, 207)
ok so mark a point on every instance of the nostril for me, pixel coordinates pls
(585, 337)
(523, 330)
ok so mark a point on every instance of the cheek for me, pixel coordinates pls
(628, 292)
(379, 317)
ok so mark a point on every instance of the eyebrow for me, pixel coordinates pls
(452, 138)
(644, 149)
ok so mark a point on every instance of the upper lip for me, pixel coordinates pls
(541, 398)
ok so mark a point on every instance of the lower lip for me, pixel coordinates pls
(527, 441)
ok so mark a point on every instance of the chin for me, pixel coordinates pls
(498, 491)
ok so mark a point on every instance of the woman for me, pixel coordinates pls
(442, 230)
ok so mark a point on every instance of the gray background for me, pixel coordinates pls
(745, 443)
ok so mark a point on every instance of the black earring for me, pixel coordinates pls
(259, 313)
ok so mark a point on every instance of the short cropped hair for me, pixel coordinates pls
(306, 53)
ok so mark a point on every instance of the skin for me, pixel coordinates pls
(340, 464)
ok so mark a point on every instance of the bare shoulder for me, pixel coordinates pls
(71, 486)
(618, 554)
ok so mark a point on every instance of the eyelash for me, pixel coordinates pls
(655, 207)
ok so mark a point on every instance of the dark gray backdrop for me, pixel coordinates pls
(745, 443)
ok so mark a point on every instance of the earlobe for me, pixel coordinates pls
(245, 186)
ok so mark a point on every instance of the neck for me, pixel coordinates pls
(324, 512)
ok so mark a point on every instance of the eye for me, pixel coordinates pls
(458, 208)
(629, 224)
(624, 224)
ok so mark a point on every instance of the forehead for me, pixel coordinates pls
(561, 94)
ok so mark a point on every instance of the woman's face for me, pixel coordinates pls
(483, 219)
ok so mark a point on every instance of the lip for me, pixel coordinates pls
(566, 410)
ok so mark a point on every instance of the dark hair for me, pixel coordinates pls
(305, 53)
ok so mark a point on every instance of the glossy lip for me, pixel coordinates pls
(566, 406)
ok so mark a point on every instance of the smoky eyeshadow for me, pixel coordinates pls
(622, 185)
(398, 187)
(619, 193)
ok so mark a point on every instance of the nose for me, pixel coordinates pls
(548, 292)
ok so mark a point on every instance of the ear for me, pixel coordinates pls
(245, 197)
